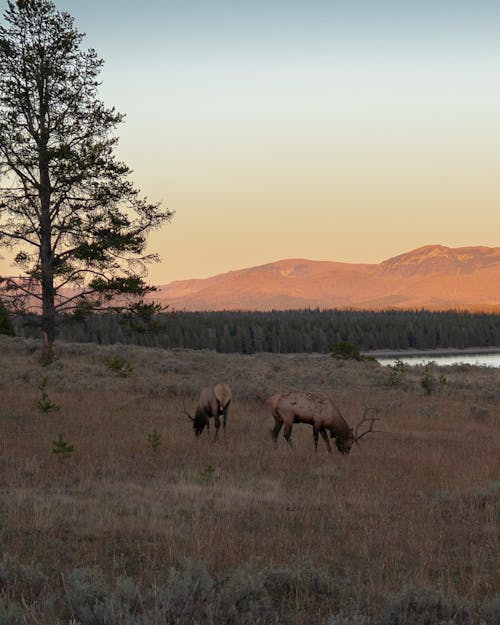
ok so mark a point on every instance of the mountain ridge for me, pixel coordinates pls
(435, 277)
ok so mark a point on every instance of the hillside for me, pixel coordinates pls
(433, 277)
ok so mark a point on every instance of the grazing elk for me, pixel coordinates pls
(213, 402)
(319, 411)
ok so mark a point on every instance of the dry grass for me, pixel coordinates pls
(417, 505)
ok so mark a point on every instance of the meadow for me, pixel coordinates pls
(142, 523)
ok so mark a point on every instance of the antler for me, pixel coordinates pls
(364, 418)
(188, 415)
(184, 411)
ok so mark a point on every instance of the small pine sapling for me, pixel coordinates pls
(429, 382)
(120, 366)
(397, 372)
(154, 440)
(62, 448)
(208, 474)
(45, 404)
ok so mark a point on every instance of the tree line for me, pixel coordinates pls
(290, 331)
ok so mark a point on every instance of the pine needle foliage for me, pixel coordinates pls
(154, 440)
(44, 403)
(120, 366)
(62, 448)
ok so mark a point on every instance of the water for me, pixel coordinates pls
(481, 360)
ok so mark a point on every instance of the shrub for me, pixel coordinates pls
(489, 495)
(346, 351)
(189, 594)
(62, 448)
(120, 366)
(429, 382)
(11, 614)
(20, 580)
(490, 611)
(45, 404)
(154, 440)
(243, 599)
(208, 474)
(303, 589)
(186, 595)
(92, 602)
(425, 606)
(397, 372)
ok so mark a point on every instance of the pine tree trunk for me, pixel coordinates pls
(48, 308)
(48, 318)
(46, 252)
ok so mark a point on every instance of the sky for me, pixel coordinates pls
(350, 130)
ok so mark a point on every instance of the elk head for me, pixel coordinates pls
(344, 443)
(213, 402)
(198, 423)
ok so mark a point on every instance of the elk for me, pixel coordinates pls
(319, 411)
(213, 402)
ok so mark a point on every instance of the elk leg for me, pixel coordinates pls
(325, 438)
(276, 431)
(315, 435)
(224, 414)
(217, 426)
(288, 434)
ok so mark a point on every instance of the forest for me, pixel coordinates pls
(293, 331)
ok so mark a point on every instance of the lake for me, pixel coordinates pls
(480, 359)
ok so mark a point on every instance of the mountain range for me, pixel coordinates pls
(434, 277)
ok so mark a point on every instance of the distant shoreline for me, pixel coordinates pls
(445, 351)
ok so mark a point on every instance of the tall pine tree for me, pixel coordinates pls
(68, 210)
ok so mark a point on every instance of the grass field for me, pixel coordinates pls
(405, 530)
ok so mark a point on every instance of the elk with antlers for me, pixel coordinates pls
(319, 411)
(213, 402)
